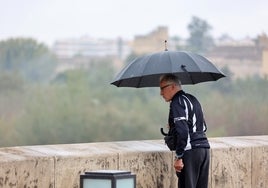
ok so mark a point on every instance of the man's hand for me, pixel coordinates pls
(178, 165)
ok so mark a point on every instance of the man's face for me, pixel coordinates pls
(167, 90)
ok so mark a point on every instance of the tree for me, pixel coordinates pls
(200, 39)
(32, 60)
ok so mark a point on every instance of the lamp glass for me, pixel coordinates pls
(123, 183)
(97, 183)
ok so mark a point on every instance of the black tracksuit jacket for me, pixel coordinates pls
(187, 121)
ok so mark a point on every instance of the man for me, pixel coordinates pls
(192, 147)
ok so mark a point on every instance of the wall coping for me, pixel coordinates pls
(52, 164)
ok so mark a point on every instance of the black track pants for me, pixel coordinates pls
(196, 168)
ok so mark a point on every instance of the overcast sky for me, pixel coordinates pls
(49, 20)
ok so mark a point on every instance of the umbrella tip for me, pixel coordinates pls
(166, 45)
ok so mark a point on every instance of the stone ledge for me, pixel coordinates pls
(235, 162)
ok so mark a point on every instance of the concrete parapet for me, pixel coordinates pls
(235, 162)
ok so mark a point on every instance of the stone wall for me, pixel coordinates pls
(235, 162)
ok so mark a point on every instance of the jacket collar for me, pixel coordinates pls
(181, 92)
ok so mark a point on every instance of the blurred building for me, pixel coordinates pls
(91, 47)
(81, 52)
(263, 45)
(246, 57)
(152, 42)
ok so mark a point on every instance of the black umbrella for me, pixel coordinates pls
(145, 71)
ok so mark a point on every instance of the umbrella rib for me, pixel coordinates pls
(185, 70)
(140, 79)
(170, 62)
(200, 70)
(190, 56)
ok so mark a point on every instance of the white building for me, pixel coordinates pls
(91, 47)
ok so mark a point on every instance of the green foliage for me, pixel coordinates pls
(83, 109)
(81, 106)
(26, 57)
(200, 40)
(10, 83)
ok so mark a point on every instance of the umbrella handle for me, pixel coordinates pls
(162, 131)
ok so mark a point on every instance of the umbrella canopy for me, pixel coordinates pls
(145, 71)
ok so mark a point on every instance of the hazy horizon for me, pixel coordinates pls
(47, 21)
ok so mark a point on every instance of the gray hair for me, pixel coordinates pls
(170, 78)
